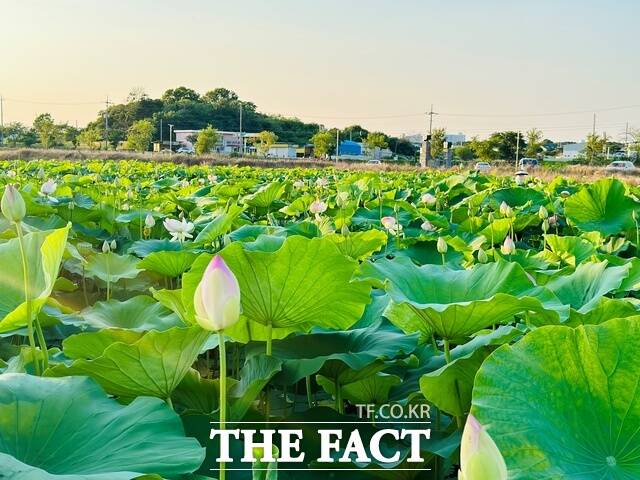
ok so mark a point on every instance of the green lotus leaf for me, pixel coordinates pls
(517, 197)
(153, 365)
(566, 250)
(169, 264)
(583, 288)
(172, 299)
(359, 245)
(139, 314)
(604, 309)
(338, 352)
(373, 389)
(43, 251)
(111, 267)
(68, 429)
(459, 303)
(303, 284)
(601, 206)
(219, 225)
(142, 248)
(265, 195)
(562, 403)
(254, 376)
(92, 345)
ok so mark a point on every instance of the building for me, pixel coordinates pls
(349, 147)
(228, 142)
(572, 151)
(282, 150)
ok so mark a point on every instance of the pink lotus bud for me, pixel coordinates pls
(508, 247)
(13, 207)
(480, 458)
(217, 297)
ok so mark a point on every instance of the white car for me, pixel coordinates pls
(186, 150)
(482, 167)
(621, 166)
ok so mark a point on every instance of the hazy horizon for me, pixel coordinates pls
(485, 67)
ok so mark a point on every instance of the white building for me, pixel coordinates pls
(282, 150)
(571, 151)
(228, 142)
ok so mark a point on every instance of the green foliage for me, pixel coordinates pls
(534, 142)
(438, 137)
(324, 143)
(376, 140)
(139, 135)
(206, 140)
(266, 140)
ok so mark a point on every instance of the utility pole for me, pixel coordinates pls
(240, 136)
(106, 124)
(593, 132)
(517, 149)
(337, 143)
(431, 113)
(170, 139)
(626, 140)
(161, 134)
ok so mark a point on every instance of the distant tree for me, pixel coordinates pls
(354, 132)
(137, 94)
(506, 143)
(464, 153)
(594, 147)
(140, 135)
(207, 140)
(438, 137)
(486, 150)
(402, 146)
(46, 129)
(324, 143)
(634, 146)
(266, 139)
(534, 142)
(179, 94)
(70, 134)
(376, 139)
(220, 95)
(14, 134)
(90, 138)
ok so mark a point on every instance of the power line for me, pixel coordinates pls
(38, 102)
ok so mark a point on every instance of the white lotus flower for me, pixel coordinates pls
(212, 178)
(149, 221)
(48, 188)
(11, 173)
(427, 226)
(179, 229)
(317, 207)
(217, 297)
(428, 199)
(391, 225)
(298, 184)
(322, 182)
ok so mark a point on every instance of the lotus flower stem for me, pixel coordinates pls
(223, 390)
(108, 294)
(27, 298)
(447, 351)
(308, 385)
(339, 403)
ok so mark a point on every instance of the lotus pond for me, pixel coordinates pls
(511, 308)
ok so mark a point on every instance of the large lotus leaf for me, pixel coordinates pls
(219, 225)
(111, 267)
(142, 248)
(138, 314)
(566, 250)
(604, 309)
(254, 376)
(266, 195)
(356, 349)
(68, 429)
(563, 403)
(303, 284)
(583, 288)
(373, 389)
(172, 299)
(517, 197)
(169, 264)
(153, 365)
(43, 251)
(458, 303)
(601, 206)
(359, 245)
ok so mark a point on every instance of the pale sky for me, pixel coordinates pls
(485, 65)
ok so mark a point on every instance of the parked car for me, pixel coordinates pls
(482, 167)
(187, 150)
(621, 166)
(529, 163)
(373, 161)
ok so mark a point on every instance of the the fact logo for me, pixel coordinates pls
(364, 440)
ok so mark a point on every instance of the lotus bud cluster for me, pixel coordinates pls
(508, 247)
(217, 297)
(480, 458)
(13, 206)
(506, 210)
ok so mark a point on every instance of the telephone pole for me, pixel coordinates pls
(337, 143)
(1, 122)
(431, 113)
(240, 134)
(106, 124)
